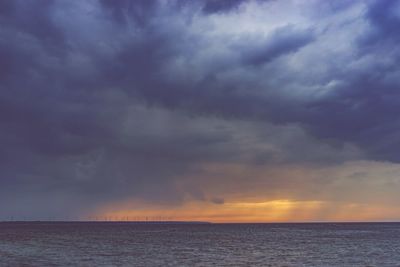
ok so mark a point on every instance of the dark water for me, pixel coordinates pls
(128, 244)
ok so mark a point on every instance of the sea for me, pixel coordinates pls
(198, 244)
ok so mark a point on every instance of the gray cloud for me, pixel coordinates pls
(217, 200)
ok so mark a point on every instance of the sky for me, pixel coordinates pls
(214, 110)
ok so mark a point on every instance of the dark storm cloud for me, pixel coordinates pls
(363, 110)
(283, 41)
(385, 21)
(214, 6)
(104, 100)
(123, 11)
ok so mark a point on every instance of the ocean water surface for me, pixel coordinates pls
(140, 244)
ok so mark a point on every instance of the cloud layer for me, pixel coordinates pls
(104, 101)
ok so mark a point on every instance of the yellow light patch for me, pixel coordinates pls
(265, 211)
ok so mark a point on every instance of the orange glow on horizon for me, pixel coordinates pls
(263, 211)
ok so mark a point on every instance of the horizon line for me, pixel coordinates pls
(187, 222)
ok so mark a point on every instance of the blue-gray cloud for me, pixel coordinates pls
(108, 99)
